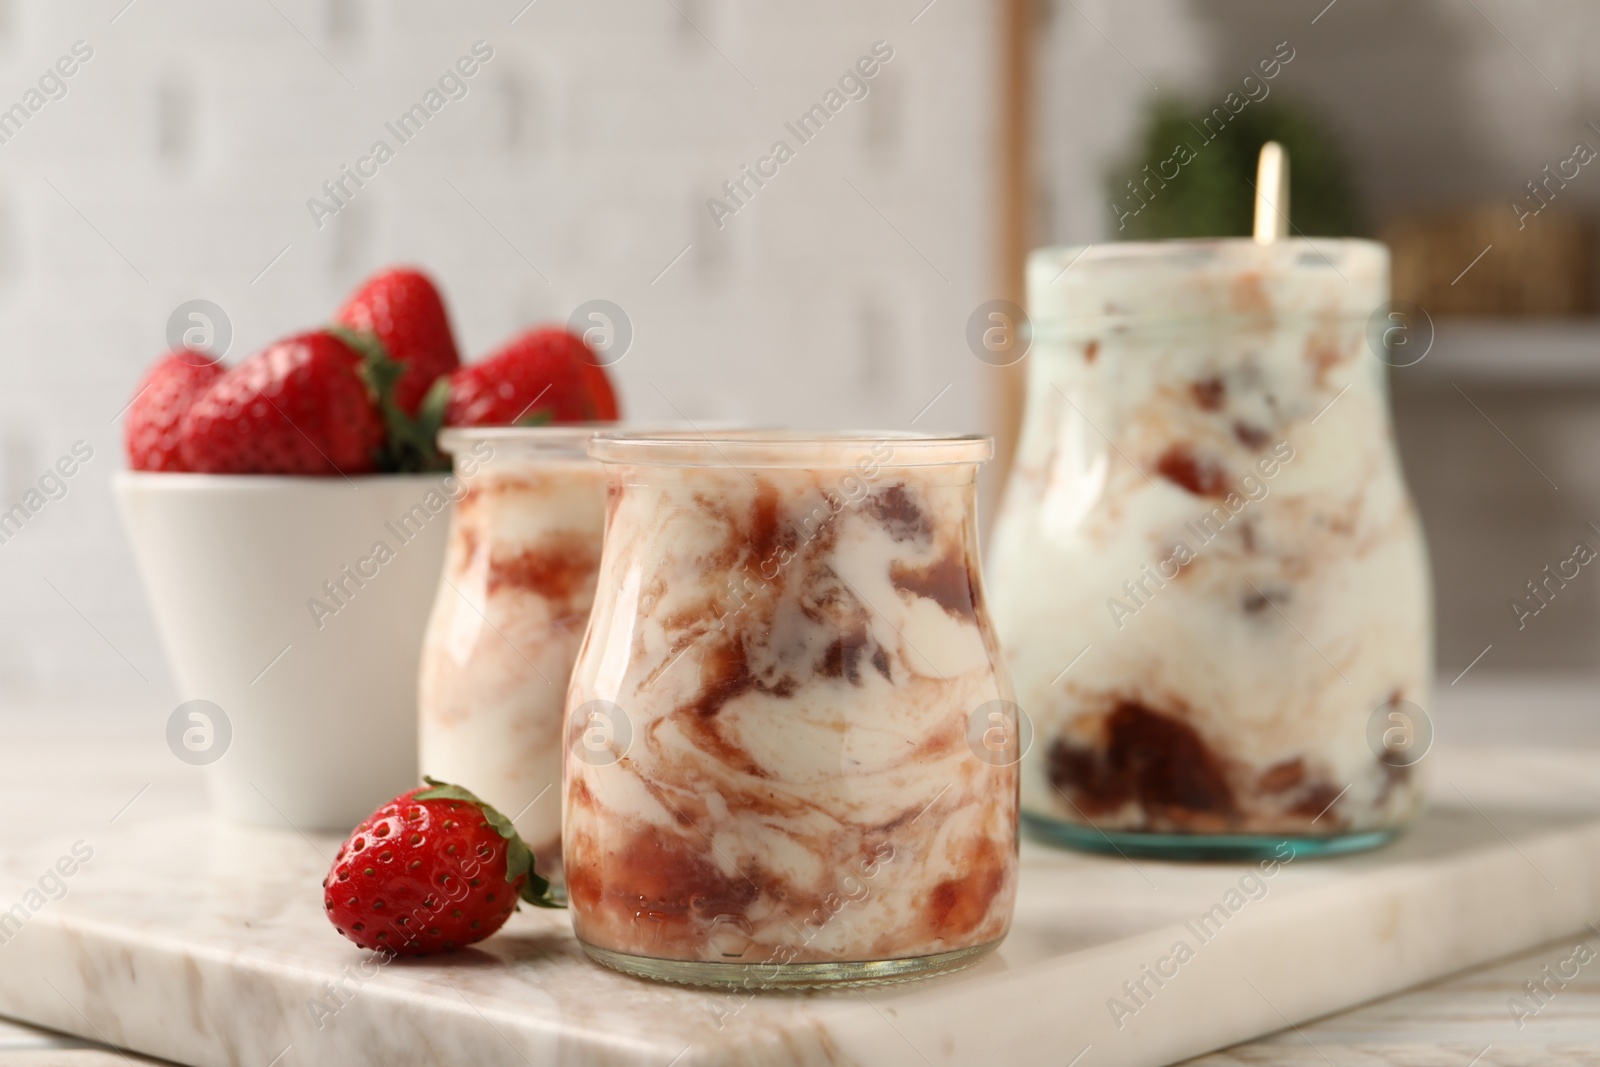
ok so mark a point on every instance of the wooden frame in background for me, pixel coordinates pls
(1015, 183)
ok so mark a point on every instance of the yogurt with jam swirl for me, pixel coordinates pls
(769, 778)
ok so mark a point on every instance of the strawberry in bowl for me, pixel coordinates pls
(368, 393)
(299, 406)
(150, 426)
(402, 309)
(544, 376)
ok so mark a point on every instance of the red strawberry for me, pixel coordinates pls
(169, 387)
(602, 397)
(299, 406)
(403, 310)
(541, 376)
(432, 870)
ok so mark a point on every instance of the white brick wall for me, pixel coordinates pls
(193, 137)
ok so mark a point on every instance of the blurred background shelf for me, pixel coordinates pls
(1510, 353)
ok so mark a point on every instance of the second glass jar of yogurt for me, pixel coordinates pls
(782, 764)
(1209, 577)
(518, 580)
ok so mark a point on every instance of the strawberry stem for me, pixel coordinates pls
(536, 890)
(411, 442)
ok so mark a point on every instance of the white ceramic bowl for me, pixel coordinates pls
(321, 700)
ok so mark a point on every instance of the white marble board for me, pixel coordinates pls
(204, 943)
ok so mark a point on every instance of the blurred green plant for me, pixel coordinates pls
(1212, 194)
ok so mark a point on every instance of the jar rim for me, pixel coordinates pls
(564, 441)
(1234, 279)
(1239, 249)
(805, 449)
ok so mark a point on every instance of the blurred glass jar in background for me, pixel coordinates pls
(1209, 579)
(518, 582)
(792, 748)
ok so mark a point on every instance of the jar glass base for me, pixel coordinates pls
(1212, 847)
(787, 975)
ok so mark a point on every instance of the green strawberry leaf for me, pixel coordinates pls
(519, 860)
(412, 442)
(431, 412)
(540, 417)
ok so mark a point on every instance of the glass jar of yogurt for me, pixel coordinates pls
(792, 752)
(1209, 579)
(513, 599)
